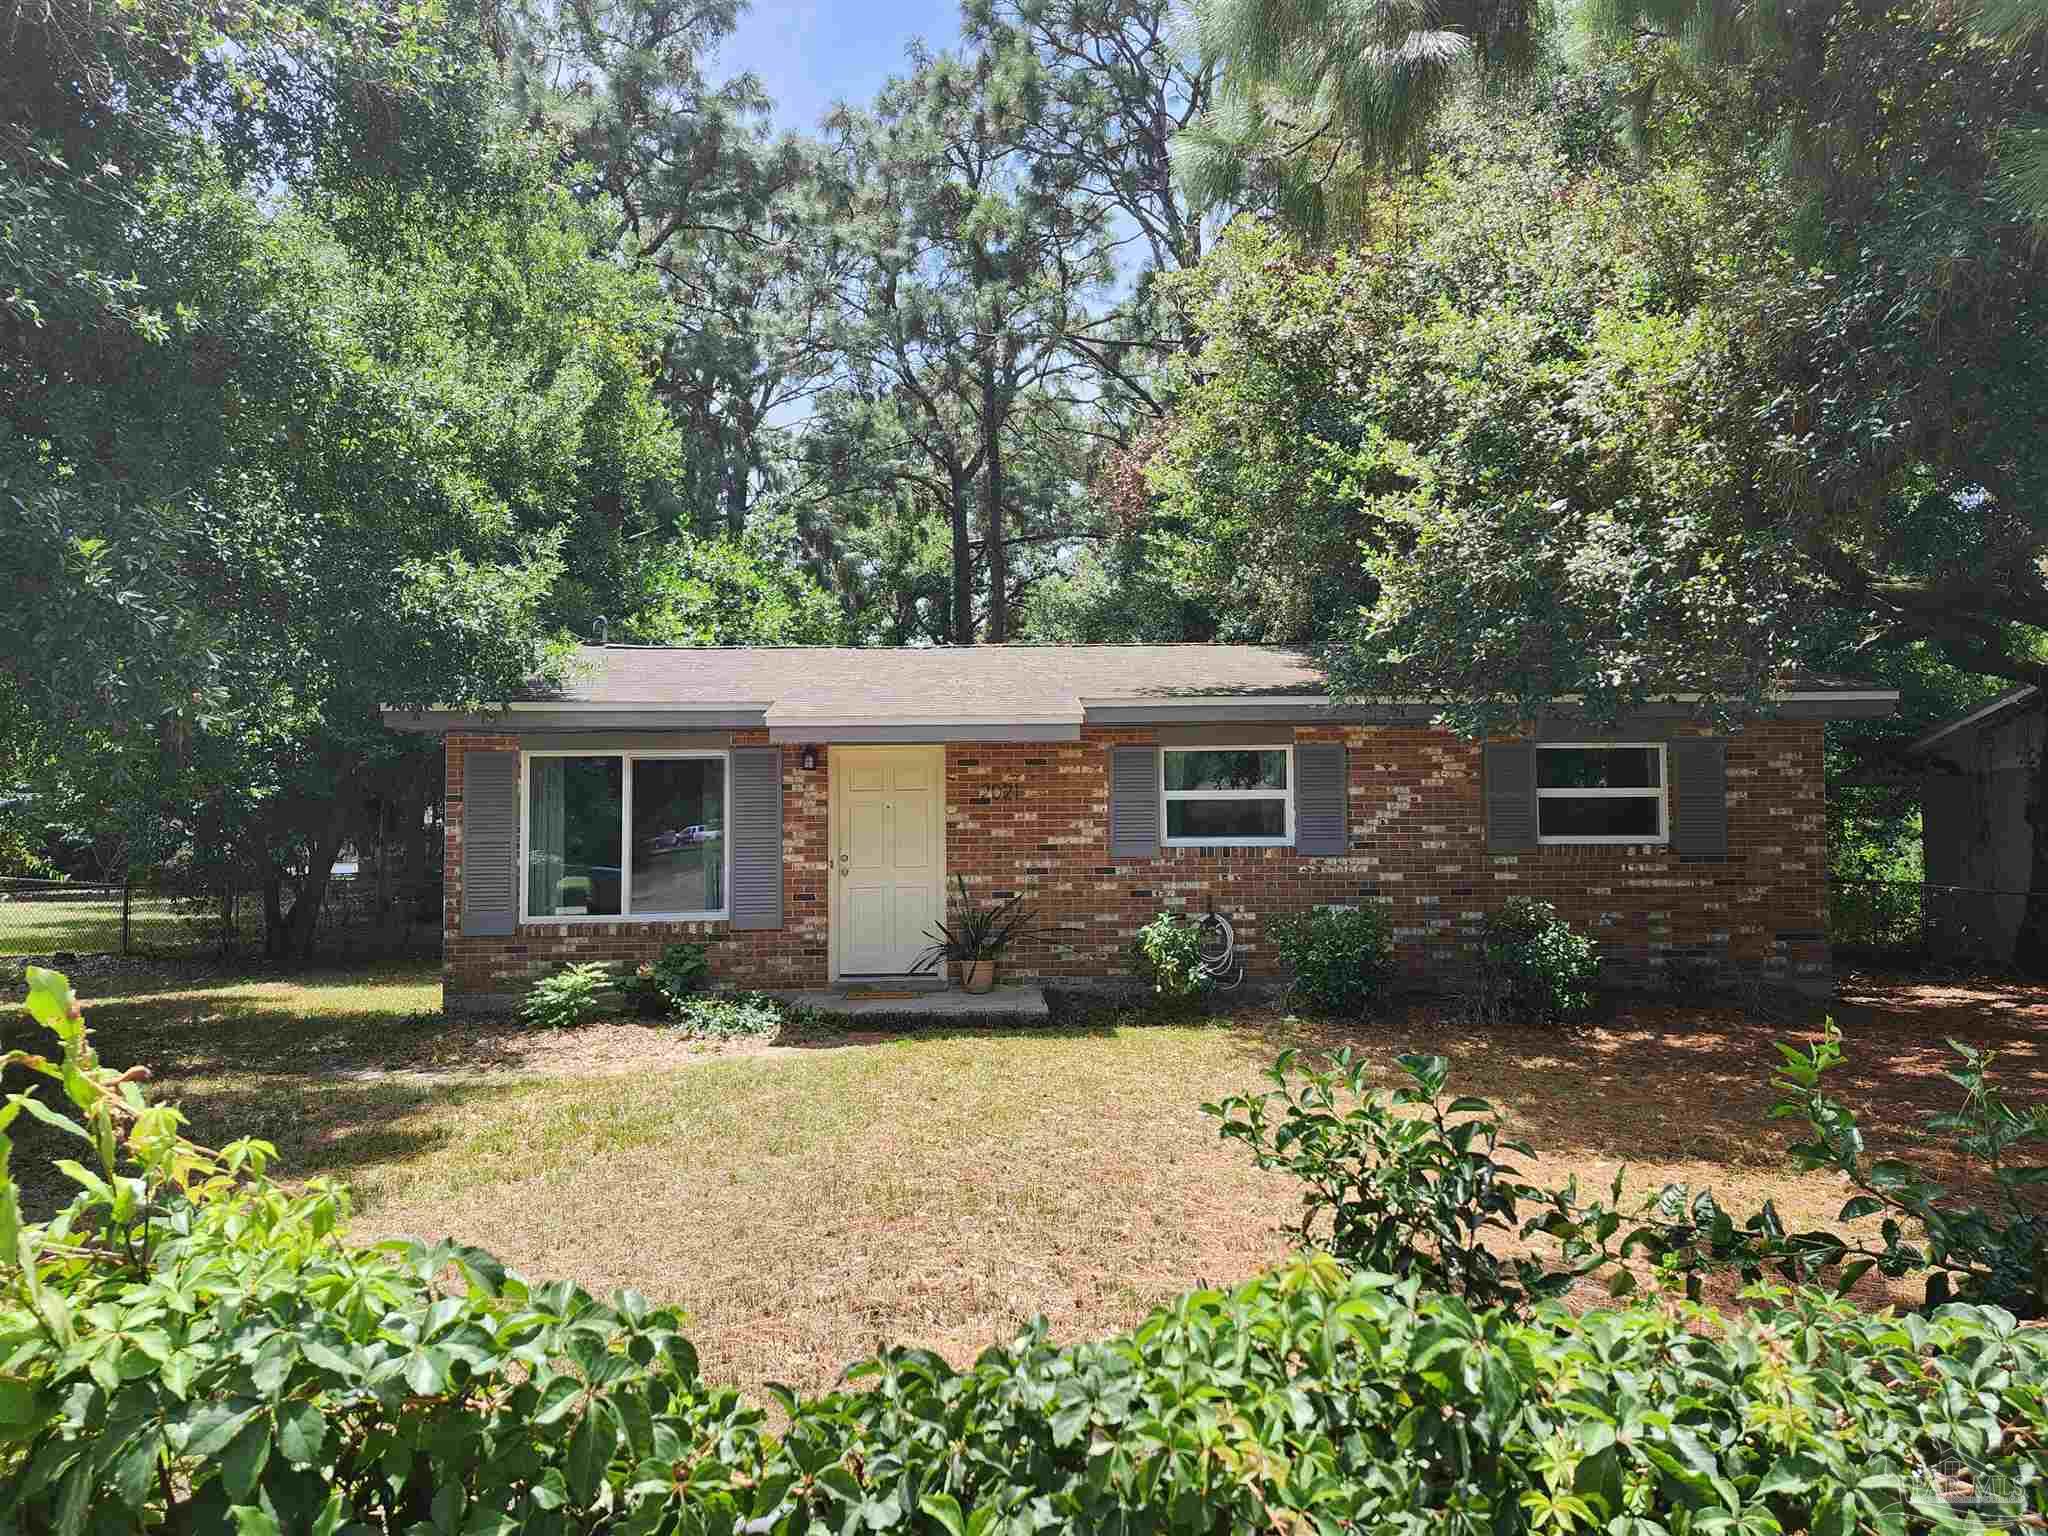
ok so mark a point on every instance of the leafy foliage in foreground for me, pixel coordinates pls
(189, 1347)
(1412, 1184)
(1415, 1195)
(1996, 1253)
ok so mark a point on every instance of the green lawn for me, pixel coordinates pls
(87, 927)
(809, 1201)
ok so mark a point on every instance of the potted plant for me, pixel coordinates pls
(975, 937)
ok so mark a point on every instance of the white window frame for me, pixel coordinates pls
(1286, 795)
(626, 914)
(1661, 794)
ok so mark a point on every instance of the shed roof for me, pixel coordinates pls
(1982, 715)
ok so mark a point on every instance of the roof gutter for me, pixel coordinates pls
(581, 715)
(882, 730)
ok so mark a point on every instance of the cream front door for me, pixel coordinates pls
(889, 840)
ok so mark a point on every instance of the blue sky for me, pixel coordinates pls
(811, 53)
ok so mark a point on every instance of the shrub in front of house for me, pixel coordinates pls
(574, 995)
(658, 989)
(1340, 959)
(1535, 965)
(1167, 955)
(192, 1347)
(731, 1015)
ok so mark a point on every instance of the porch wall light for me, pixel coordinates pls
(809, 759)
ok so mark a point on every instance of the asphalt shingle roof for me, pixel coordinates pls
(982, 682)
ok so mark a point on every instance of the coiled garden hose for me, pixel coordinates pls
(1219, 962)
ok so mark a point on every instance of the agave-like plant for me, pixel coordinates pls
(977, 932)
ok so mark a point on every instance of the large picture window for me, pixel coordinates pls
(1603, 794)
(625, 835)
(1228, 796)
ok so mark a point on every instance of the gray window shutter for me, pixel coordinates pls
(1510, 773)
(490, 843)
(757, 837)
(1320, 798)
(1699, 790)
(1133, 802)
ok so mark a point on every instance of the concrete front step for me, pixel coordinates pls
(1002, 1003)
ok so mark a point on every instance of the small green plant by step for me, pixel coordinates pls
(574, 995)
(976, 937)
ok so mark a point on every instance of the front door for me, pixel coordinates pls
(889, 839)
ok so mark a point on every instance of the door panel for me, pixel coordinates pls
(910, 830)
(888, 822)
(867, 830)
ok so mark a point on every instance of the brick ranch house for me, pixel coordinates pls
(803, 812)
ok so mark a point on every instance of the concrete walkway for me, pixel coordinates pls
(951, 1003)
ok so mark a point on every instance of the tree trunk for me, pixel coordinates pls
(383, 859)
(738, 475)
(314, 889)
(963, 565)
(415, 813)
(273, 912)
(992, 505)
(2030, 946)
(305, 918)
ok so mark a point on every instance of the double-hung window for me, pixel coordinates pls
(624, 834)
(1600, 794)
(1227, 796)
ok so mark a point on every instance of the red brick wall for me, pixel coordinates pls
(1034, 818)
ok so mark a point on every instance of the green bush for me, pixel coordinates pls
(731, 1015)
(1341, 958)
(679, 972)
(1994, 1253)
(574, 995)
(1427, 1194)
(1535, 965)
(1317, 1399)
(1167, 953)
(190, 1348)
(1409, 1184)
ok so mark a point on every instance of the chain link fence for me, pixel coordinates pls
(1915, 923)
(153, 916)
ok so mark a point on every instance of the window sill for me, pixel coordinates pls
(643, 919)
(1228, 842)
(1603, 842)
